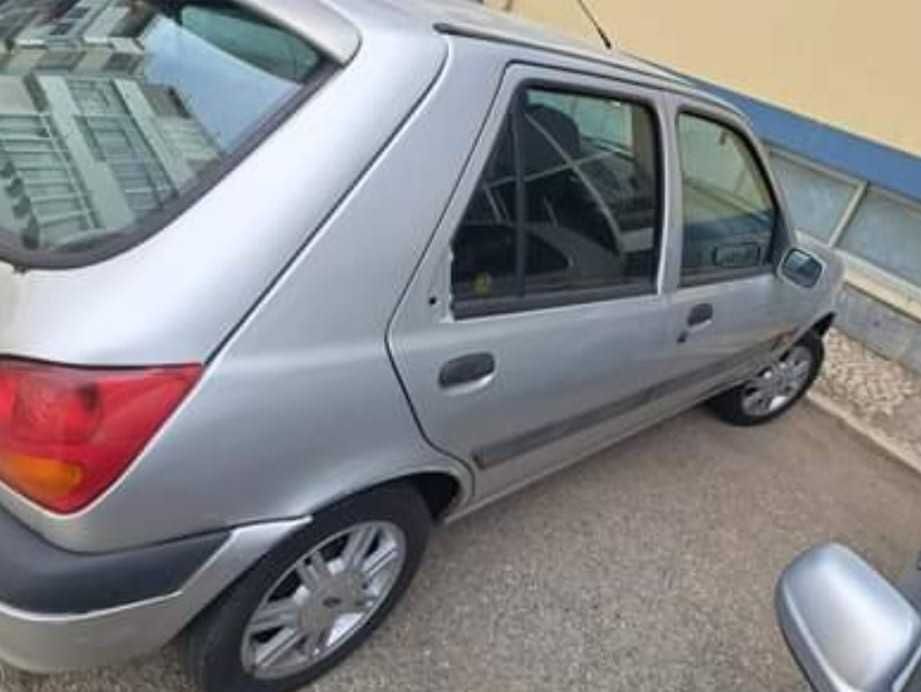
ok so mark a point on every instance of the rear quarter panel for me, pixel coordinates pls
(302, 406)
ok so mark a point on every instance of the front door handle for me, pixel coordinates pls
(466, 370)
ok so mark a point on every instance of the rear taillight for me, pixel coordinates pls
(66, 434)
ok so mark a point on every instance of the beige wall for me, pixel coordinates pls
(859, 70)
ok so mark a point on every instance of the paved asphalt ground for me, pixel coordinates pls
(648, 567)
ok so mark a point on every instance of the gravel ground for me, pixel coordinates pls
(879, 393)
(648, 567)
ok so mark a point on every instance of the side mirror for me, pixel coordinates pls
(849, 629)
(802, 268)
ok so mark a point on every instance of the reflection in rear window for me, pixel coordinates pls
(111, 109)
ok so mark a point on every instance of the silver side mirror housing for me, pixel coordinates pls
(849, 629)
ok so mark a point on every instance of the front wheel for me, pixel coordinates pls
(776, 388)
(314, 599)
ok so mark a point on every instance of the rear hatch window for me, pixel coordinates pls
(116, 114)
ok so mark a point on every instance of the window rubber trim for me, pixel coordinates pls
(723, 276)
(24, 260)
(469, 308)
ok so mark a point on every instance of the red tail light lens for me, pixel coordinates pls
(67, 434)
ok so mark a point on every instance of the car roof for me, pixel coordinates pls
(470, 18)
(338, 25)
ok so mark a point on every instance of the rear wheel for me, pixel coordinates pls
(313, 600)
(776, 388)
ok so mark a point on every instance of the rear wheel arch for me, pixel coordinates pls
(217, 640)
(823, 325)
(441, 489)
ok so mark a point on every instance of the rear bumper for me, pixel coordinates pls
(39, 577)
(36, 638)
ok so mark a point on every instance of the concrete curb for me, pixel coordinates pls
(889, 446)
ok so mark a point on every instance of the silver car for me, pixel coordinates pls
(287, 282)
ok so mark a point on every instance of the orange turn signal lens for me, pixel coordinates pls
(43, 480)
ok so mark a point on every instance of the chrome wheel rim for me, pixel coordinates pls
(778, 384)
(323, 600)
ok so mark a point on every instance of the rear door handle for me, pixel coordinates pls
(699, 318)
(466, 370)
(700, 314)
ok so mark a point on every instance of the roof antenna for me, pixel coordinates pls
(605, 39)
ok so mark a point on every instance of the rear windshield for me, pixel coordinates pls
(115, 113)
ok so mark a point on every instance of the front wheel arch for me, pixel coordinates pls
(728, 406)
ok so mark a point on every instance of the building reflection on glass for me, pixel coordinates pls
(86, 141)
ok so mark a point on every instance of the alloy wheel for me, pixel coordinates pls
(778, 384)
(323, 599)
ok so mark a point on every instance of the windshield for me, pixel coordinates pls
(112, 110)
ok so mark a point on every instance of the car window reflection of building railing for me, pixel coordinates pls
(138, 152)
(41, 184)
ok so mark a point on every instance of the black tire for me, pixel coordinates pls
(215, 639)
(728, 405)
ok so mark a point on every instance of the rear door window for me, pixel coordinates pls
(568, 209)
(114, 114)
